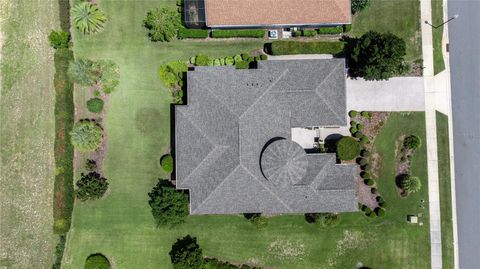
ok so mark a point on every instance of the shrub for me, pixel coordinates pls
(364, 139)
(162, 24)
(95, 105)
(364, 114)
(367, 211)
(412, 142)
(347, 148)
(192, 33)
(186, 254)
(365, 175)
(171, 74)
(59, 39)
(353, 123)
(369, 182)
(244, 56)
(202, 60)
(91, 165)
(365, 153)
(110, 77)
(259, 221)
(229, 61)
(383, 204)
(410, 184)
(91, 186)
(329, 30)
(299, 47)
(88, 18)
(347, 27)
(359, 126)
(166, 161)
(358, 134)
(379, 199)
(374, 190)
(366, 167)
(257, 33)
(97, 261)
(169, 206)
(379, 212)
(358, 5)
(309, 33)
(86, 135)
(353, 130)
(376, 56)
(242, 65)
(237, 58)
(263, 57)
(216, 62)
(222, 61)
(84, 72)
(352, 113)
(362, 161)
(96, 93)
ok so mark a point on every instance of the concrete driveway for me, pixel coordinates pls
(395, 94)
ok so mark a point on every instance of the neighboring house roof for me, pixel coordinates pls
(233, 147)
(276, 12)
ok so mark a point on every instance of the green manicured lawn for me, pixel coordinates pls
(437, 19)
(121, 226)
(27, 131)
(445, 190)
(401, 18)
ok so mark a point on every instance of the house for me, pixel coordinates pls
(266, 13)
(233, 139)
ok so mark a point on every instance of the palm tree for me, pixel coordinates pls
(410, 184)
(88, 18)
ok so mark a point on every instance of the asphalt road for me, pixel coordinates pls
(464, 35)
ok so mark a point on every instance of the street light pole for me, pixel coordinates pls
(445, 22)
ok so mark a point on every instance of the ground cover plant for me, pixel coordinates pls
(122, 224)
(401, 18)
(27, 133)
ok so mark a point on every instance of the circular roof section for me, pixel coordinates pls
(284, 162)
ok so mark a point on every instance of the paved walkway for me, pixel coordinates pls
(395, 94)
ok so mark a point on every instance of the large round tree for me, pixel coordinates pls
(86, 135)
(377, 56)
(186, 254)
(348, 148)
(169, 205)
(88, 18)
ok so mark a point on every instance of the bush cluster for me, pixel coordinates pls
(192, 33)
(299, 47)
(162, 24)
(309, 33)
(412, 142)
(348, 148)
(329, 30)
(257, 33)
(88, 73)
(59, 39)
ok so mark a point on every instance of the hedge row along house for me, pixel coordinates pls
(240, 139)
(218, 14)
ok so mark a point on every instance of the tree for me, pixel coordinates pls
(358, 5)
(410, 184)
(91, 186)
(169, 206)
(59, 39)
(411, 142)
(348, 148)
(86, 135)
(88, 18)
(376, 56)
(186, 254)
(162, 24)
(84, 72)
(97, 261)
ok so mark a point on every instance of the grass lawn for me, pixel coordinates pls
(121, 226)
(27, 133)
(401, 18)
(445, 190)
(437, 19)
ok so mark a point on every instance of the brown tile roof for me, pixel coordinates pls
(283, 12)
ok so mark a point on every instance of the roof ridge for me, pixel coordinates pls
(332, 71)
(265, 92)
(267, 188)
(215, 149)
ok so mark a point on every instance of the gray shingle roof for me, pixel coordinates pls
(234, 117)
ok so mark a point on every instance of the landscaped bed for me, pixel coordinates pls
(121, 225)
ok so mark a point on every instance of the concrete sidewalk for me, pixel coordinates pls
(395, 94)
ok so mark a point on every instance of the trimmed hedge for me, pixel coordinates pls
(347, 148)
(97, 261)
(330, 30)
(257, 33)
(192, 33)
(95, 105)
(309, 33)
(167, 163)
(299, 47)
